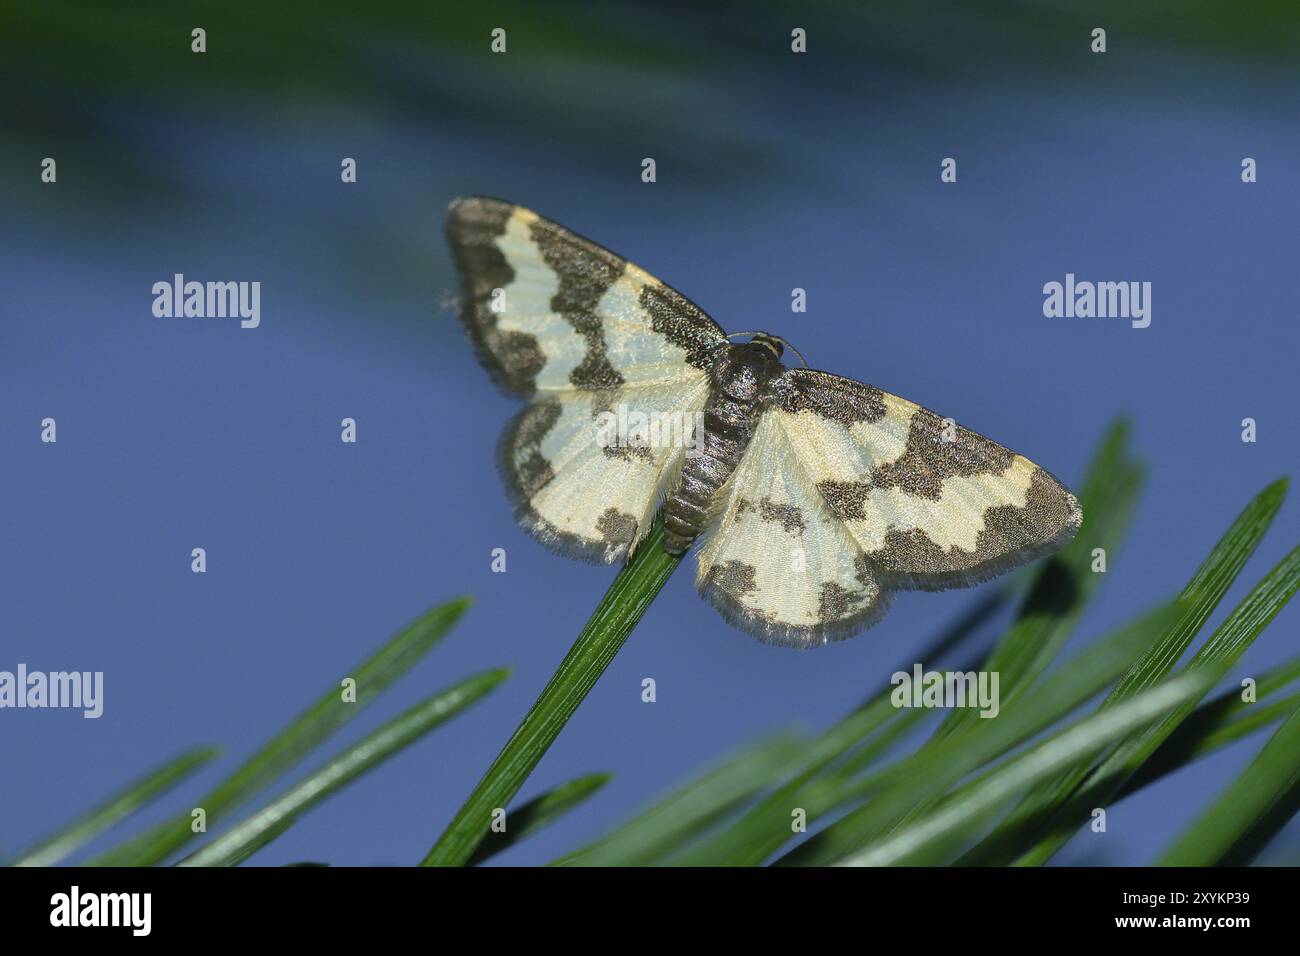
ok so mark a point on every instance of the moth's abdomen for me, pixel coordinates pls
(729, 419)
(727, 429)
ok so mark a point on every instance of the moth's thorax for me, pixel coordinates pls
(744, 369)
(739, 377)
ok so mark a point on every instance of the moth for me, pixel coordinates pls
(813, 496)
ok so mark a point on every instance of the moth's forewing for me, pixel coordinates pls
(931, 504)
(588, 335)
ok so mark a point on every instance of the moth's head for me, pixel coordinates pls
(773, 343)
(769, 345)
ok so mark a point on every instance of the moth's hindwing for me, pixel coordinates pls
(932, 505)
(586, 470)
(777, 562)
(549, 311)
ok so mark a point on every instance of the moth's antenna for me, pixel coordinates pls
(784, 343)
(795, 351)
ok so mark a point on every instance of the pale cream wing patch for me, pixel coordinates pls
(586, 470)
(550, 311)
(776, 562)
(932, 505)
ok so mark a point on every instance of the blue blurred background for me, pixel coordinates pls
(775, 170)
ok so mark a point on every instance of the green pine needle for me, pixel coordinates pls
(540, 812)
(1197, 602)
(690, 810)
(618, 612)
(1251, 810)
(300, 738)
(929, 840)
(246, 838)
(134, 796)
